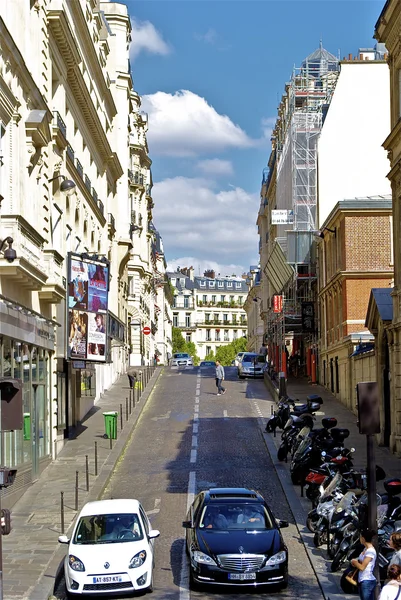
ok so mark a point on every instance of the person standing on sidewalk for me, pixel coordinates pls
(219, 378)
(365, 563)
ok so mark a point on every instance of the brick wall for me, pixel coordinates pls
(367, 243)
(356, 298)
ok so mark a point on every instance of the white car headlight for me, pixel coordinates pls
(278, 558)
(75, 563)
(137, 560)
(202, 558)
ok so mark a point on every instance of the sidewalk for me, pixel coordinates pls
(31, 553)
(300, 506)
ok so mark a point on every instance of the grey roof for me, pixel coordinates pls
(320, 62)
(384, 302)
(213, 284)
(188, 284)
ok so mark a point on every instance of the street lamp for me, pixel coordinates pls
(9, 254)
(67, 186)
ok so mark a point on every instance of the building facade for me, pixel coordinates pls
(74, 156)
(351, 261)
(252, 307)
(388, 332)
(209, 310)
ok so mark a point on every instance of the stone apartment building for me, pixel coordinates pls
(385, 317)
(71, 132)
(209, 310)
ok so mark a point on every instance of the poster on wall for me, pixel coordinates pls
(88, 286)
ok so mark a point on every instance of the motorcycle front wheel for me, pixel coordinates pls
(311, 520)
(282, 451)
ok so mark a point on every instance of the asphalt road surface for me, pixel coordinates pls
(189, 439)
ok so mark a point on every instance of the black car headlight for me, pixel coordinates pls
(75, 563)
(202, 558)
(277, 559)
(137, 560)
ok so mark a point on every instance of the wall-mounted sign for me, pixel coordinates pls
(308, 317)
(277, 304)
(88, 287)
(146, 330)
(282, 217)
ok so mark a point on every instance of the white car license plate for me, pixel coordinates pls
(108, 579)
(242, 576)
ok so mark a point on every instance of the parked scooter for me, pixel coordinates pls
(287, 408)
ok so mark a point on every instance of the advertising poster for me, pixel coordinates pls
(88, 283)
(97, 287)
(77, 336)
(78, 285)
(96, 336)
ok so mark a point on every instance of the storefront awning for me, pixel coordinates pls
(277, 270)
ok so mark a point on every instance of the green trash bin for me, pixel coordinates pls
(110, 424)
(27, 426)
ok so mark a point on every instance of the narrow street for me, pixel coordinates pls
(173, 454)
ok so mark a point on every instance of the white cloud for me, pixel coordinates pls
(145, 37)
(200, 266)
(196, 220)
(268, 124)
(216, 166)
(210, 37)
(184, 124)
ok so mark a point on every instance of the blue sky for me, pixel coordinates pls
(211, 75)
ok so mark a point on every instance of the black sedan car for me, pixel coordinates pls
(232, 538)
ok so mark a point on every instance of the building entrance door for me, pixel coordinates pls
(38, 416)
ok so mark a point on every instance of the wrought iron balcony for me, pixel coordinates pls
(70, 152)
(88, 183)
(58, 121)
(111, 221)
(100, 206)
(79, 168)
(94, 195)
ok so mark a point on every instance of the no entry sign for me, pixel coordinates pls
(146, 330)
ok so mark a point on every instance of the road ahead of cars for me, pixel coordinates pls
(188, 439)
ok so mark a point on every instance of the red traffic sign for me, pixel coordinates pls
(146, 330)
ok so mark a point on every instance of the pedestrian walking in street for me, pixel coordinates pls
(219, 378)
(365, 563)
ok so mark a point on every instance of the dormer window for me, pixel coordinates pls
(238, 285)
(229, 284)
(202, 283)
(211, 283)
(220, 283)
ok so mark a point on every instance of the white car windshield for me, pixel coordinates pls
(181, 356)
(108, 529)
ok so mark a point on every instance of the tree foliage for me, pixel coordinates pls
(180, 345)
(226, 354)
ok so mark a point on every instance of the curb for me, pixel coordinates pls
(45, 585)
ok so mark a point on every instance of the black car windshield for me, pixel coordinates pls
(108, 529)
(181, 355)
(235, 516)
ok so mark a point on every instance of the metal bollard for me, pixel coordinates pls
(62, 511)
(121, 416)
(126, 409)
(271, 410)
(76, 489)
(87, 472)
(96, 459)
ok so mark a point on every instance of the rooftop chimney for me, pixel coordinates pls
(209, 273)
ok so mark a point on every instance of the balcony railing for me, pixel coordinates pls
(79, 168)
(111, 221)
(60, 123)
(88, 183)
(94, 195)
(222, 324)
(70, 152)
(100, 206)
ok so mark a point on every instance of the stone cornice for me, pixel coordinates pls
(92, 58)
(26, 228)
(353, 275)
(13, 54)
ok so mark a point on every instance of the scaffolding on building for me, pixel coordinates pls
(301, 115)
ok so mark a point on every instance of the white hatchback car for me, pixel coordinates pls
(111, 549)
(181, 359)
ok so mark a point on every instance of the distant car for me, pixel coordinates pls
(110, 550)
(232, 538)
(238, 358)
(181, 359)
(207, 363)
(252, 365)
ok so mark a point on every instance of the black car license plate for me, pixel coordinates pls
(242, 576)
